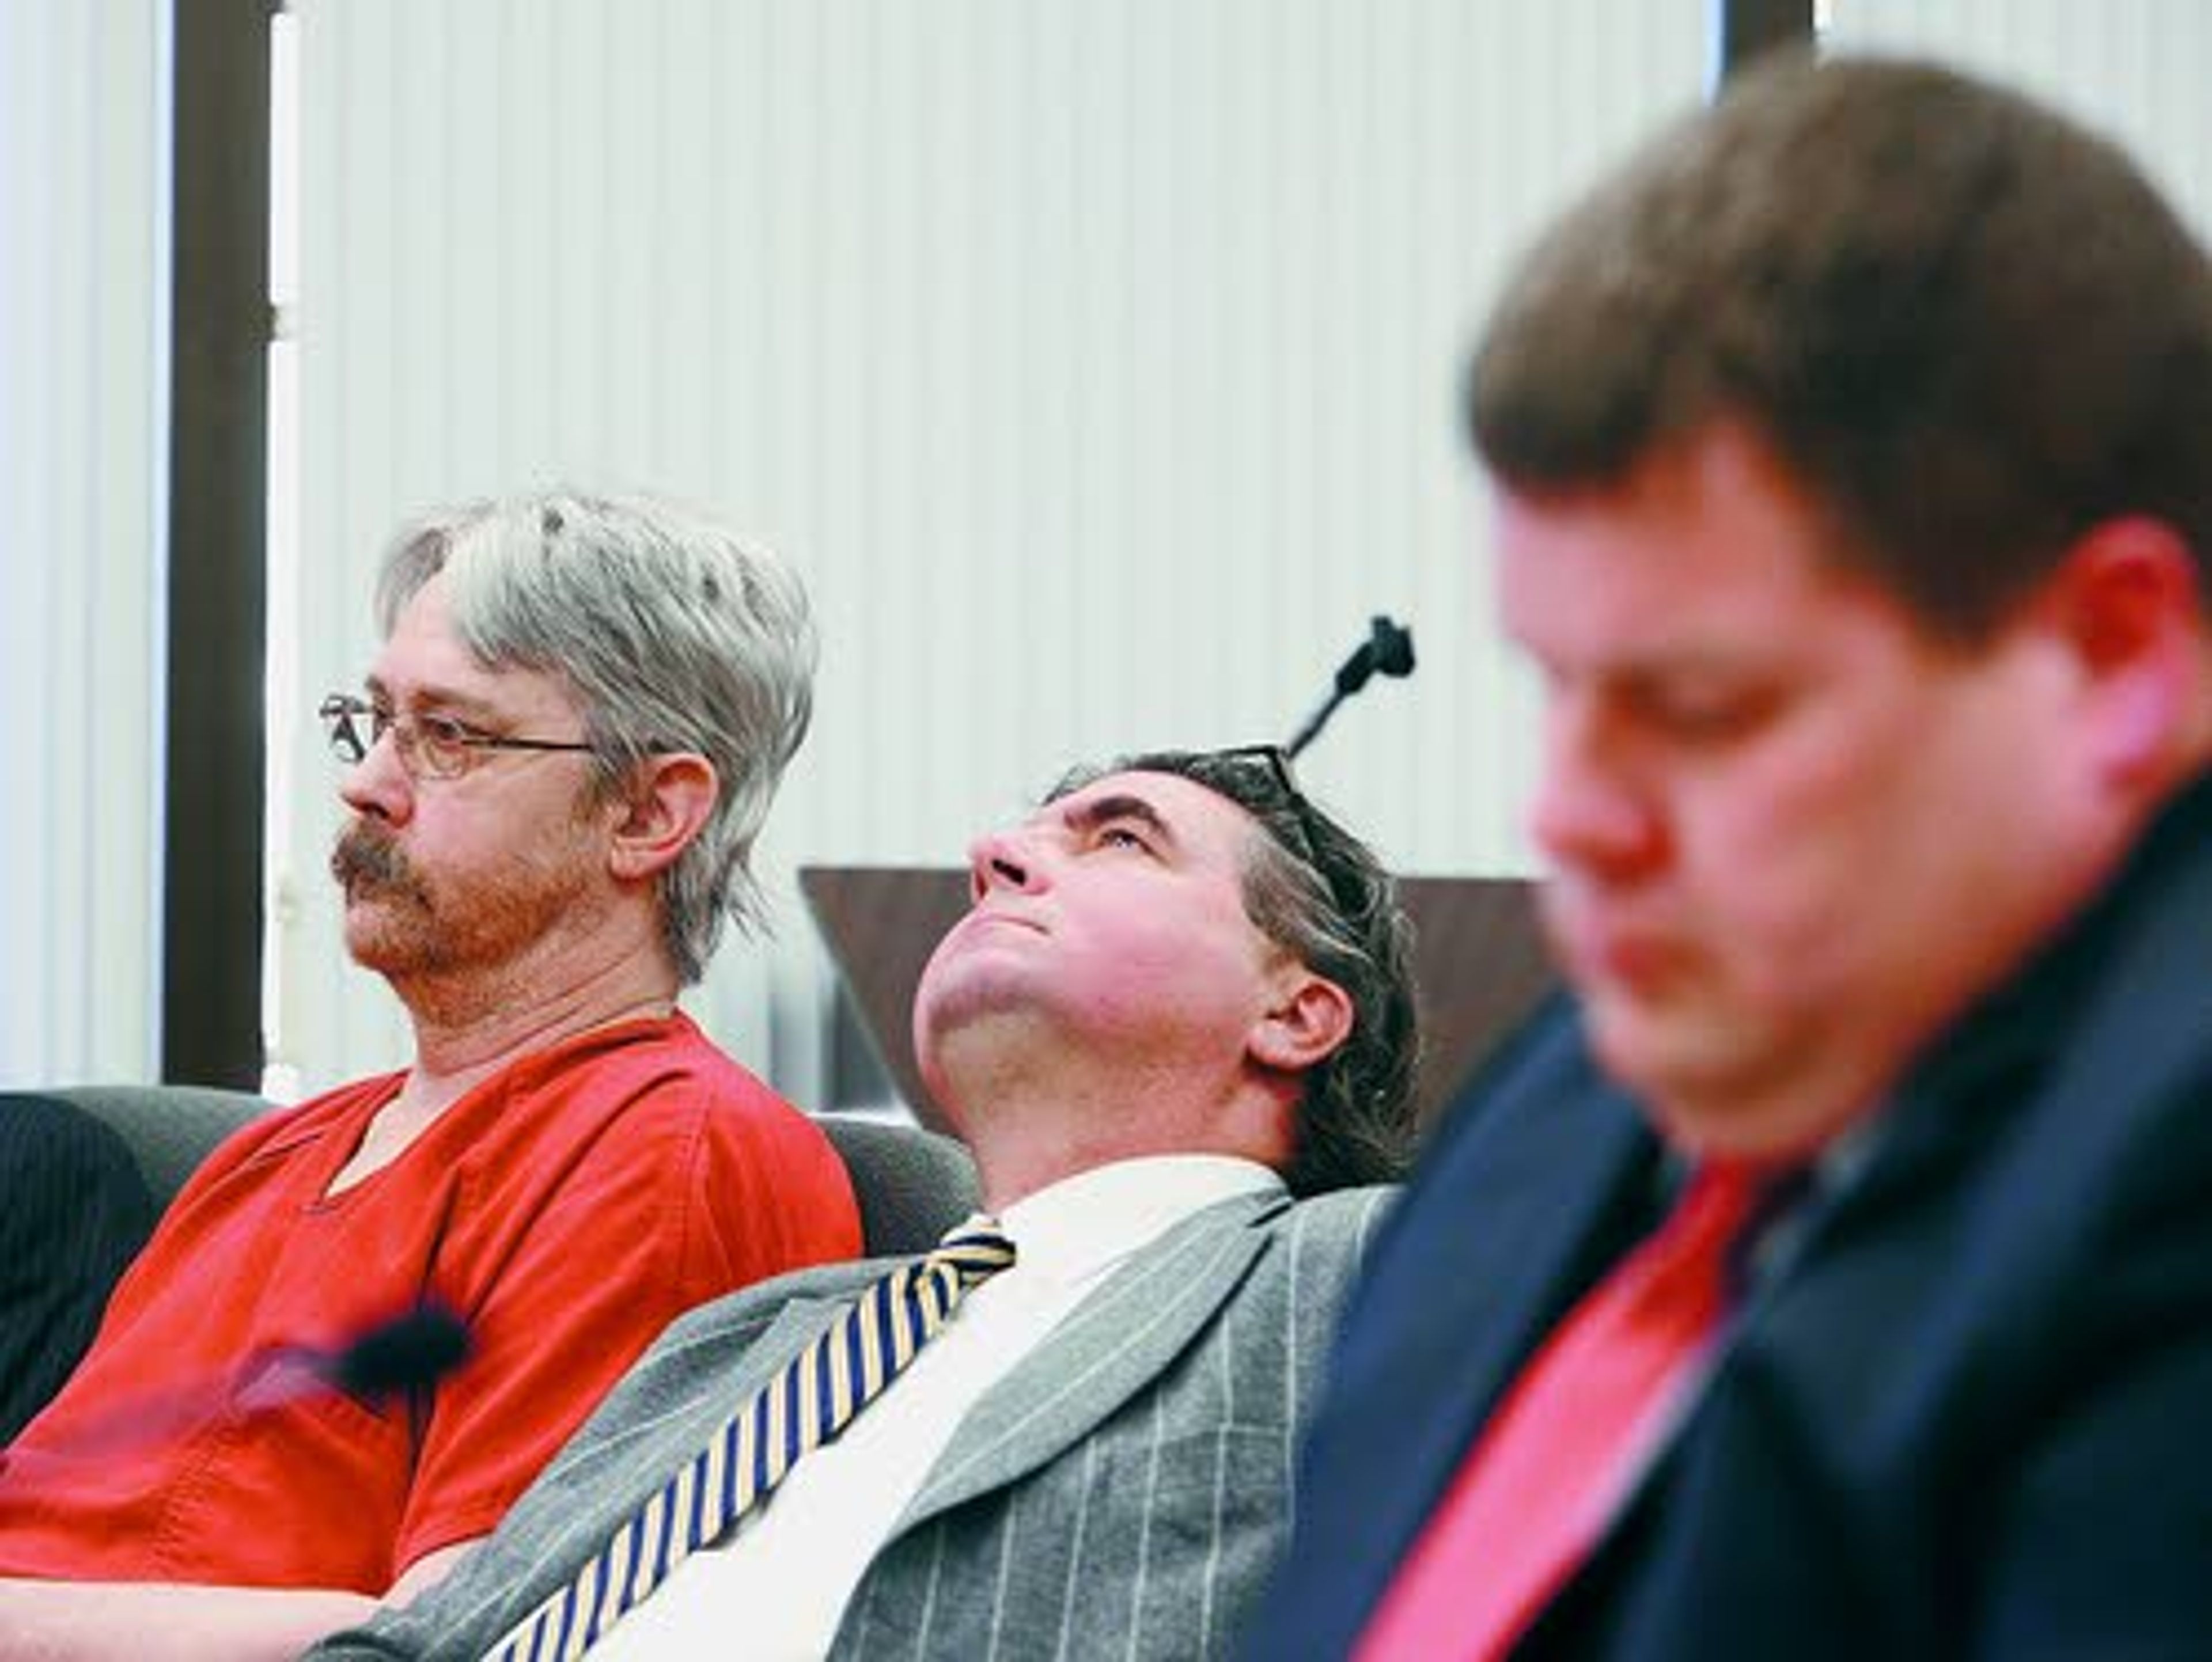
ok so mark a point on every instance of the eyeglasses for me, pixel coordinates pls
(1299, 832)
(429, 746)
(1274, 761)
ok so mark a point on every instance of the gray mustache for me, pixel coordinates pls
(364, 859)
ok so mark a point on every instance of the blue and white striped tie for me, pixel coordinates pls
(811, 1401)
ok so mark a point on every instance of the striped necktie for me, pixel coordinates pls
(811, 1398)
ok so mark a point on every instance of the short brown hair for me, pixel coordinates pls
(1970, 329)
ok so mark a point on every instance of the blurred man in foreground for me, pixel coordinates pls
(1834, 1279)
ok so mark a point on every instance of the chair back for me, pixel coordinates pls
(169, 1129)
(912, 1185)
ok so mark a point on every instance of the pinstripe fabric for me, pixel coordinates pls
(809, 1400)
(77, 1210)
(1122, 1494)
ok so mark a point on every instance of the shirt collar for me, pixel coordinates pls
(1073, 1229)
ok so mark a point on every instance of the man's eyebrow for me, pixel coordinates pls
(465, 706)
(1089, 815)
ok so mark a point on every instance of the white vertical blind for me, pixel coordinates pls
(1096, 364)
(2135, 69)
(82, 280)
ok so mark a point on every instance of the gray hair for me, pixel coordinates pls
(672, 634)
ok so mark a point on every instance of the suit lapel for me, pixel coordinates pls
(707, 1381)
(1519, 1215)
(635, 1469)
(1563, 1201)
(1112, 1345)
(672, 1402)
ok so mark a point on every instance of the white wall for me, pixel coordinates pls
(83, 280)
(2136, 69)
(1093, 358)
(1094, 362)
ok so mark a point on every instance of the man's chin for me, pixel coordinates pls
(1674, 1059)
(377, 946)
(372, 955)
(1716, 1086)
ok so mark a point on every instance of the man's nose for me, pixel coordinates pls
(1591, 814)
(378, 785)
(997, 859)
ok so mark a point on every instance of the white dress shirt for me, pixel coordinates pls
(776, 1587)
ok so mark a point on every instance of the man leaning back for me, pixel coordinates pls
(1174, 1027)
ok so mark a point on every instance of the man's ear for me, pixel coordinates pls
(1309, 1019)
(2125, 603)
(666, 806)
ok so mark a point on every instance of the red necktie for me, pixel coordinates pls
(1547, 1474)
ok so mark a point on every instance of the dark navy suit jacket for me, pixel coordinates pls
(1966, 1406)
(73, 1211)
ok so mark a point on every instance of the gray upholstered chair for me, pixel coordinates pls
(912, 1185)
(169, 1129)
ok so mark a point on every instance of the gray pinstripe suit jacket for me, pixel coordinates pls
(1124, 1492)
